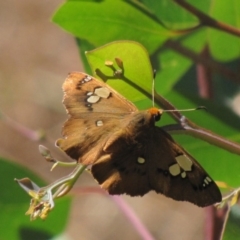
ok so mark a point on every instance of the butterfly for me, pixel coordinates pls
(127, 153)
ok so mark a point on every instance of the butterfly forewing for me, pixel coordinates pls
(91, 118)
(85, 94)
(128, 153)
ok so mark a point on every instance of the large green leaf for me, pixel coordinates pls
(101, 22)
(14, 202)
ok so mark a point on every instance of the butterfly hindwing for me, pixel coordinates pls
(182, 177)
(160, 165)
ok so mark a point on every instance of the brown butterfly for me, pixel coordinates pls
(126, 151)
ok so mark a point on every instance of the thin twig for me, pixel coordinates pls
(27, 132)
(185, 126)
(208, 21)
(203, 134)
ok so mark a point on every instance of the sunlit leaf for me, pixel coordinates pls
(137, 66)
(100, 22)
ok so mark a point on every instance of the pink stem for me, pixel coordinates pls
(124, 207)
(204, 77)
(28, 133)
(132, 217)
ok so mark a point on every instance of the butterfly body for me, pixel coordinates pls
(126, 151)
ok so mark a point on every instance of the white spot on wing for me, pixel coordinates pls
(141, 160)
(88, 78)
(99, 123)
(208, 179)
(184, 162)
(102, 92)
(93, 99)
(174, 169)
(183, 174)
(89, 93)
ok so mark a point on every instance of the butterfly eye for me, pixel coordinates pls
(155, 113)
(157, 117)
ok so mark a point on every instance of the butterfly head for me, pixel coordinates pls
(155, 113)
(142, 120)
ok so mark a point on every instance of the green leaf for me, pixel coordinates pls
(137, 66)
(100, 22)
(203, 5)
(14, 202)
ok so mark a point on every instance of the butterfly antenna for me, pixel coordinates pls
(153, 86)
(186, 110)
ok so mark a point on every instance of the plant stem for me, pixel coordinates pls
(204, 76)
(206, 20)
(28, 133)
